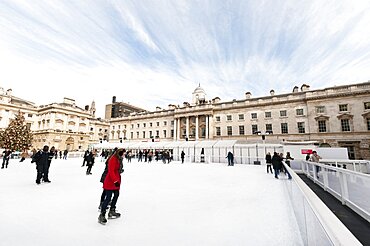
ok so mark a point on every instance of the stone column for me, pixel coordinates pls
(197, 127)
(207, 131)
(210, 126)
(178, 122)
(187, 127)
(174, 129)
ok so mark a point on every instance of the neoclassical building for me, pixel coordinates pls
(63, 125)
(336, 116)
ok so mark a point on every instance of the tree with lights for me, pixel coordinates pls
(17, 136)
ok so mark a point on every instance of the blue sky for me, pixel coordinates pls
(155, 52)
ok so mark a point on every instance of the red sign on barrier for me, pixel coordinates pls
(306, 151)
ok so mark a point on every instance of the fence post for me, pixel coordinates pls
(315, 174)
(343, 187)
(354, 166)
(325, 177)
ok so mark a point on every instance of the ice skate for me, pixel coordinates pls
(101, 219)
(113, 214)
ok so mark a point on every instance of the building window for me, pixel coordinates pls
(165, 123)
(137, 134)
(125, 126)
(301, 128)
(299, 111)
(203, 132)
(254, 129)
(241, 116)
(254, 115)
(81, 138)
(132, 126)
(343, 107)
(172, 122)
(150, 134)
(172, 133)
(164, 133)
(132, 135)
(218, 131)
(218, 118)
(30, 115)
(320, 109)
(268, 127)
(322, 125)
(229, 131)
(229, 118)
(150, 124)
(143, 134)
(138, 125)
(267, 114)
(157, 123)
(284, 128)
(345, 125)
(367, 105)
(157, 133)
(113, 127)
(241, 130)
(283, 113)
(144, 124)
(368, 124)
(91, 129)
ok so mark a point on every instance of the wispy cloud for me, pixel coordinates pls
(153, 53)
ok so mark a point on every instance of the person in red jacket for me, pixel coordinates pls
(111, 186)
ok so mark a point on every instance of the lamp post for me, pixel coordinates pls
(263, 135)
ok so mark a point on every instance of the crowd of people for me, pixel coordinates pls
(111, 176)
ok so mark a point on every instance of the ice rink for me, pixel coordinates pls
(161, 204)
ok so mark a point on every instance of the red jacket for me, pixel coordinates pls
(113, 174)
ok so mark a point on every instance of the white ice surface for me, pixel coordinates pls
(174, 205)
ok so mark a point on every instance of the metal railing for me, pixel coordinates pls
(361, 166)
(317, 224)
(352, 188)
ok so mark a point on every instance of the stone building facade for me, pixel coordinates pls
(62, 125)
(336, 116)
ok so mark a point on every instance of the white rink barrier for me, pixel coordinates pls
(352, 188)
(317, 224)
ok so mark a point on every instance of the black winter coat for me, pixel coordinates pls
(90, 160)
(42, 160)
(276, 161)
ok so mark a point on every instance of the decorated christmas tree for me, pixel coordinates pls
(17, 136)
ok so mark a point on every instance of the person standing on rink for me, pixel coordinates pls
(111, 185)
(42, 164)
(268, 162)
(182, 157)
(90, 160)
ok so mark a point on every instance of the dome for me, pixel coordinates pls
(199, 95)
(199, 90)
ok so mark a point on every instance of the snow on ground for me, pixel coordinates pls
(176, 204)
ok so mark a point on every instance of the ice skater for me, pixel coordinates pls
(111, 186)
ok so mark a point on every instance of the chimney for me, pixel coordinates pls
(9, 92)
(87, 107)
(272, 92)
(158, 108)
(248, 95)
(295, 89)
(114, 99)
(305, 87)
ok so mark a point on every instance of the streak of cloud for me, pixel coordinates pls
(153, 53)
